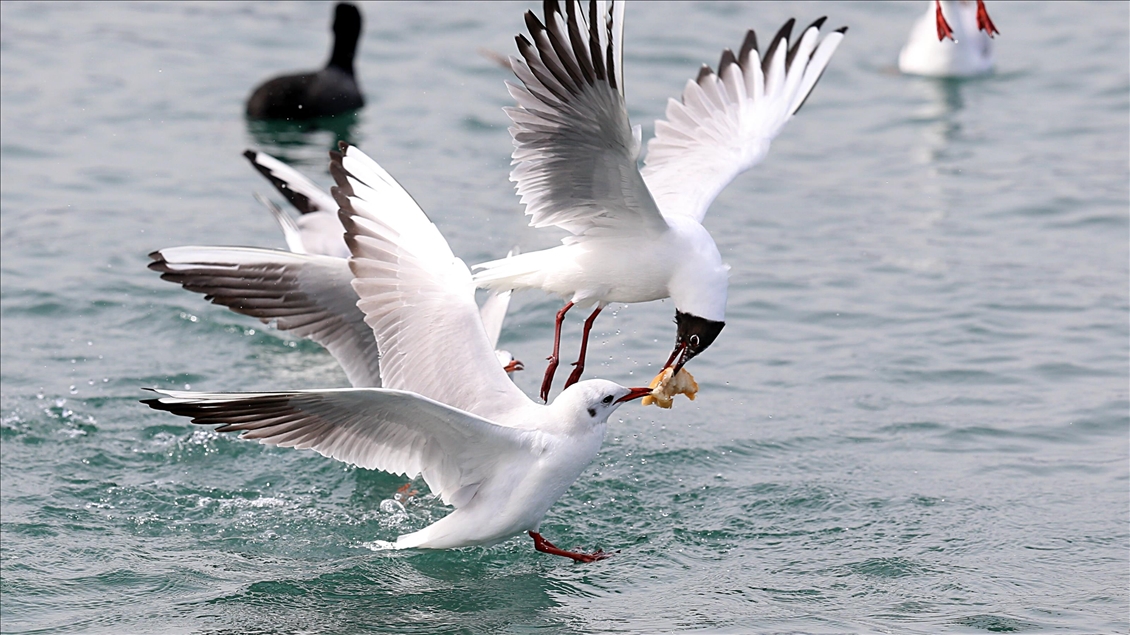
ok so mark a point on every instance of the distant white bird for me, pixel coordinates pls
(637, 236)
(969, 50)
(447, 411)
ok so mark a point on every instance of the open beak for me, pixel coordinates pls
(513, 366)
(678, 358)
(634, 393)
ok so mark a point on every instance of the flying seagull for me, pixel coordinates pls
(637, 235)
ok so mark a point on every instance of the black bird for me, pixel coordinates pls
(330, 91)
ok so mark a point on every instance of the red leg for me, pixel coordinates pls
(983, 21)
(575, 376)
(547, 381)
(544, 546)
(944, 29)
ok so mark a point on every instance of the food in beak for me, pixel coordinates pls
(667, 384)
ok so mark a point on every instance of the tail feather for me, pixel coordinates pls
(521, 271)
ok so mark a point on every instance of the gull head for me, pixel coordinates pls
(589, 403)
(693, 335)
(507, 361)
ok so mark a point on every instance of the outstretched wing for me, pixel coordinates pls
(318, 229)
(300, 191)
(390, 430)
(307, 295)
(417, 296)
(574, 151)
(726, 120)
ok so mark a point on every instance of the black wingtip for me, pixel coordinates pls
(341, 178)
(250, 155)
(819, 22)
(727, 60)
(748, 44)
(703, 73)
(783, 34)
(841, 30)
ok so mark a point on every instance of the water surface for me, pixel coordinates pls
(916, 419)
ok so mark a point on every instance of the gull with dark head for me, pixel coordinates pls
(637, 235)
(447, 410)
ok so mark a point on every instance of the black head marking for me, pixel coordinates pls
(592, 412)
(694, 334)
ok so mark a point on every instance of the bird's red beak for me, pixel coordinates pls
(635, 393)
(513, 366)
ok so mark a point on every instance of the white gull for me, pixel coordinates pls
(637, 236)
(952, 39)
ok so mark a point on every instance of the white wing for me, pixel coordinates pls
(319, 230)
(725, 122)
(417, 296)
(308, 295)
(389, 430)
(302, 193)
(493, 311)
(574, 151)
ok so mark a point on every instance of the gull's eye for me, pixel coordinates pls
(607, 400)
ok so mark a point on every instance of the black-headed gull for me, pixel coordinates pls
(447, 411)
(330, 91)
(637, 236)
(952, 39)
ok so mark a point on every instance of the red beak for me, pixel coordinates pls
(634, 393)
(513, 366)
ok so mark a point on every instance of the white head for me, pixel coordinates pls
(589, 403)
(509, 364)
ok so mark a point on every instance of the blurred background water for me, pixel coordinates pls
(916, 419)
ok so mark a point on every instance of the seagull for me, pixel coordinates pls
(637, 235)
(446, 411)
(330, 91)
(970, 50)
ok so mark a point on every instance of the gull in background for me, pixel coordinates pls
(305, 292)
(637, 235)
(969, 50)
(447, 410)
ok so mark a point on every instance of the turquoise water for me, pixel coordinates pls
(916, 420)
